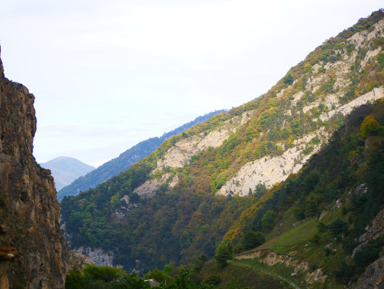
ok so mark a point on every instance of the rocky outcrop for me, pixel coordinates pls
(373, 277)
(96, 256)
(270, 258)
(270, 170)
(33, 252)
(78, 260)
(374, 230)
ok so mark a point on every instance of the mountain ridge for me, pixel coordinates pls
(125, 160)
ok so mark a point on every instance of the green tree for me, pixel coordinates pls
(159, 276)
(321, 227)
(252, 239)
(223, 253)
(183, 281)
(288, 79)
(268, 220)
(75, 279)
(338, 228)
(369, 125)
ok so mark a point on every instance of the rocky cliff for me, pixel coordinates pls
(33, 252)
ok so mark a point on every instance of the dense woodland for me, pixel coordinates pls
(178, 225)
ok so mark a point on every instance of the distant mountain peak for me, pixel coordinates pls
(66, 169)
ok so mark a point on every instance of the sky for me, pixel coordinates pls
(107, 74)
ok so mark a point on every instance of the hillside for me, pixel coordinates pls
(208, 183)
(124, 161)
(323, 223)
(65, 170)
(33, 252)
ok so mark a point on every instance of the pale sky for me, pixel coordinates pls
(107, 74)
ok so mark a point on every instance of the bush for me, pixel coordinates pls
(212, 280)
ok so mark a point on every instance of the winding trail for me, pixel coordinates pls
(268, 272)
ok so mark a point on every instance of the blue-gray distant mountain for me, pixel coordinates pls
(65, 170)
(125, 160)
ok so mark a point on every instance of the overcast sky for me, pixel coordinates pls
(107, 74)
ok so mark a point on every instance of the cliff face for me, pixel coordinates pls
(33, 252)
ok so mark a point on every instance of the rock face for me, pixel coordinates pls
(374, 230)
(33, 252)
(373, 276)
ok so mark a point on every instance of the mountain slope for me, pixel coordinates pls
(33, 252)
(206, 183)
(65, 170)
(326, 218)
(125, 160)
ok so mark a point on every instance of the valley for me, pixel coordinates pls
(284, 191)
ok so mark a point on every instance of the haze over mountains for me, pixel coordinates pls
(125, 160)
(66, 169)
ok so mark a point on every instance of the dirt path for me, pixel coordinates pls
(269, 272)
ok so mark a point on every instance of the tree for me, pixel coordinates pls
(268, 220)
(159, 276)
(223, 253)
(288, 79)
(75, 279)
(321, 227)
(260, 190)
(252, 239)
(369, 125)
(183, 281)
(338, 228)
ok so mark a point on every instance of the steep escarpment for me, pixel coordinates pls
(33, 252)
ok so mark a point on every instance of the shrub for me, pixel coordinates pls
(212, 280)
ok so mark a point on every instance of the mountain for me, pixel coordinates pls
(125, 160)
(65, 170)
(33, 252)
(246, 173)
